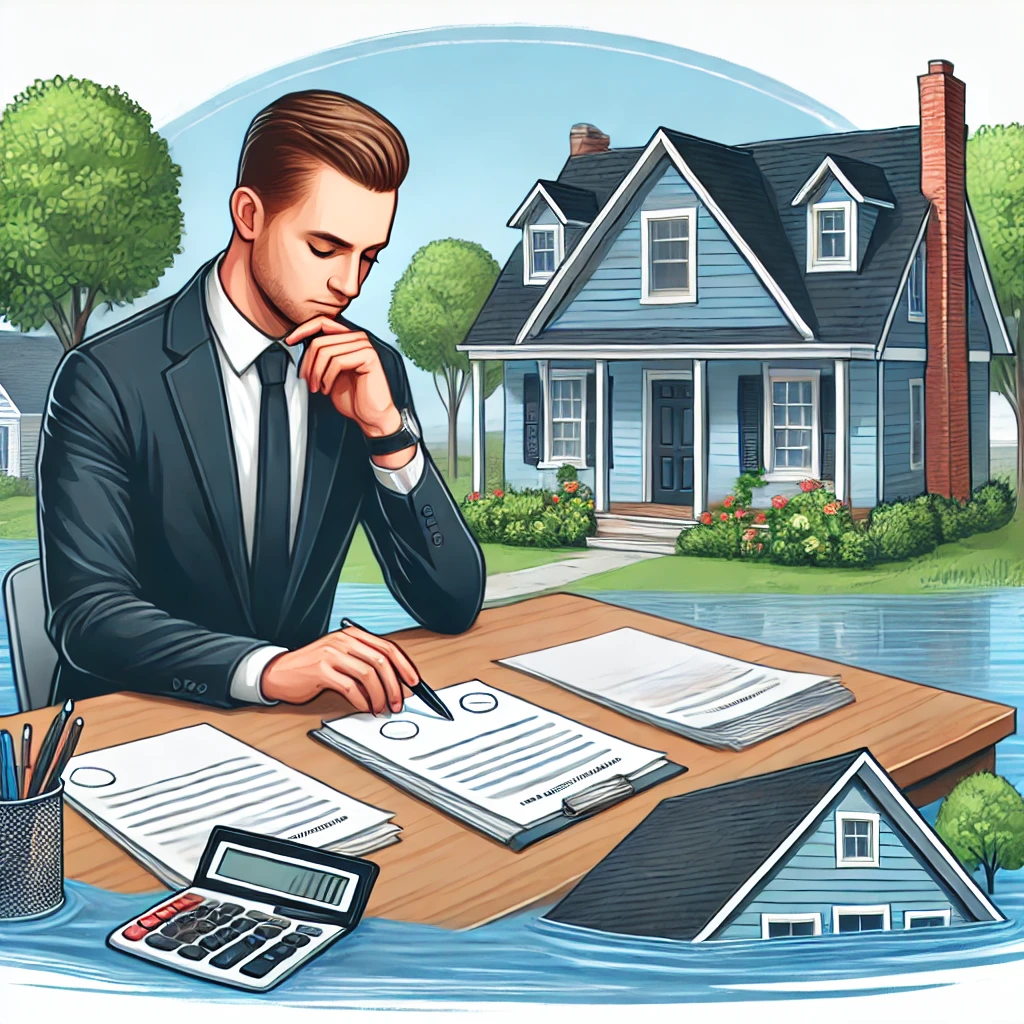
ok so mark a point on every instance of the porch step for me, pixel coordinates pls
(653, 547)
(654, 534)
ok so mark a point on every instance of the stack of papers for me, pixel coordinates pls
(709, 698)
(504, 766)
(160, 798)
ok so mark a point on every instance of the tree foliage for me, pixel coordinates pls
(433, 306)
(995, 184)
(982, 822)
(89, 209)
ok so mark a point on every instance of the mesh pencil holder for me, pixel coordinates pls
(32, 855)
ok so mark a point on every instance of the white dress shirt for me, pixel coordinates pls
(239, 345)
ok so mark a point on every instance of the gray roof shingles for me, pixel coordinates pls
(27, 364)
(577, 204)
(676, 870)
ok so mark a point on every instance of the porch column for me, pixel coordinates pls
(842, 367)
(479, 429)
(601, 435)
(700, 496)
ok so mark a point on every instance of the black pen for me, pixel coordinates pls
(41, 768)
(65, 755)
(421, 690)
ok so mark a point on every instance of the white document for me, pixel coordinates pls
(161, 797)
(503, 764)
(699, 694)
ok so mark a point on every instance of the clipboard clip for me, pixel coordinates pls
(597, 797)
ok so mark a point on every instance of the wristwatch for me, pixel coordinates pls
(406, 436)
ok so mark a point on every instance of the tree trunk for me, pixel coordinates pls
(990, 877)
(453, 428)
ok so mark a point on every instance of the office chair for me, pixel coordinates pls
(33, 657)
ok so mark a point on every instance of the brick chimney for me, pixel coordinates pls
(943, 183)
(585, 138)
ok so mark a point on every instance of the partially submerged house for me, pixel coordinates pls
(678, 313)
(827, 847)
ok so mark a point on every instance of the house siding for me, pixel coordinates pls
(900, 480)
(980, 452)
(810, 882)
(723, 431)
(863, 407)
(30, 428)
(625, 479)
(729, 294)
(978, 337)
(866, 218)
(541, 214)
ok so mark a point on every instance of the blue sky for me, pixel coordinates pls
(485, 112)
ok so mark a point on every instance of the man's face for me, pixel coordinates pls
(312, 257)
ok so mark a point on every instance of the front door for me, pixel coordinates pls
(672, 441)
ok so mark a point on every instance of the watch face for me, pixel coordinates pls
(410, 424)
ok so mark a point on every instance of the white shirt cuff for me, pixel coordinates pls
(245, 683)
(403, 480)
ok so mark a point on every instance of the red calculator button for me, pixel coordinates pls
(133, 933)
(166, 913)
(183, 903)
(193, 898)
(149, 921)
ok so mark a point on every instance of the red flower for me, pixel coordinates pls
(740, 513)
(571, 486)
(499, 493)
(729, 501)
(555, 498)
(473, 497)
(760, 518)
(779, 501)
(706, 518)
(810, 485)
(749, 534)
(831, 508)
(724, 517)
(760, 547)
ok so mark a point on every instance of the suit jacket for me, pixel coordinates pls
(145, 568)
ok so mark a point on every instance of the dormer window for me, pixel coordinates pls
(832, 227)
(668, 243)
(915, 288)
(543, 252)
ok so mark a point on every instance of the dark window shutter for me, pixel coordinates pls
(591, 417)
(532, 426)
(751, 421)
(611, 421)
(828, 427)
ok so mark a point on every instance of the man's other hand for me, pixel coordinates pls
(367, 670)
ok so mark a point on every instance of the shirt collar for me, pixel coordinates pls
(239, 340)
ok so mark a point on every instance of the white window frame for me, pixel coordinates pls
(770, 919)
(689, 214)
(550, 462)
(529, 277)
(857, 862)
(918, 261)
(10, 417)
(772, 374)
(855, 909)
(819, 264)
(916, 382)
(916, 915)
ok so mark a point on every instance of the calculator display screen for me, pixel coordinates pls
(292, 879)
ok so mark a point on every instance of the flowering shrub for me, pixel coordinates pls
(815, 528)
(533, 518)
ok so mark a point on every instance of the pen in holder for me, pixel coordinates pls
(32, 855)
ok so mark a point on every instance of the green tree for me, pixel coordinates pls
(982, 822)
(89, 209)
(995, 184)
(433, 305)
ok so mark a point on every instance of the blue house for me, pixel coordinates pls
(678, 313)
(828, 847)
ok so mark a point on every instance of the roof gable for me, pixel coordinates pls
(567, 202)
(864, 182)
(27, 364)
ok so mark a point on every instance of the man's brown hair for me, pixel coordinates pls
(288, 138)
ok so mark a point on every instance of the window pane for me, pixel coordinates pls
(5, 439)
(871, 922)
(928, 922)
(669, 254)
(779, 929)
(832, 234)
(666, 276)
(802, 928)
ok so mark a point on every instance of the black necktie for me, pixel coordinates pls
(270, 555)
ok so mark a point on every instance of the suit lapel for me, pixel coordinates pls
(197, 394)
(326, 434)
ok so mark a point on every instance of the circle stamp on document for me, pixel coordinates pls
(92, 778)
(478, 703)
(399, 730)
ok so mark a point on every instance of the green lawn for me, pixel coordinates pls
(988, 559)
(18, 518)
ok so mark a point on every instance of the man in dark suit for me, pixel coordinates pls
(203, 465)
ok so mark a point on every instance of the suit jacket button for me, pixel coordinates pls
(190, 685)
(175, 684)
(437, 539)
(427, 510)
(201, 688)
(431, 521)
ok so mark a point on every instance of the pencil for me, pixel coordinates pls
(26, 754)
(66, 753)
(8, 769)
(49, 747)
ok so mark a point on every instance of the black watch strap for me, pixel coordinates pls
(391, 443)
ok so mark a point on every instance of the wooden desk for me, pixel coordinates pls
(443, 873)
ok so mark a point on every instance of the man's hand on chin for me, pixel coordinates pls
(343, 364)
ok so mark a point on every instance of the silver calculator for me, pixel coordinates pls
(258, 909)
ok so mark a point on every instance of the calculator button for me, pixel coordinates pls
(165, 913)
(238, 952)
(203, 911)
(133, 933)
(308, 929)
(242, 924)
(280, 922)
(183, 903)
(233, 908)
(172, 929)
(263, 964)
(210, 904)
(188, 918)
(204, 927)
(214, 941)
(257, 915)
(266, 931)
(295, 939)
(193, 952)
(158, 941)
(218, 917)
(149, 921)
